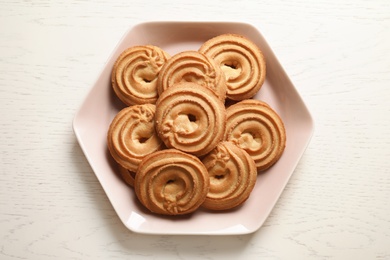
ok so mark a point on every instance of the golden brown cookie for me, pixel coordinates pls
(190, 118)
(171, 182)
(233, 175)
(132, 136)
(255, 127)
(192, 66)
(134, 76)
(241, 61)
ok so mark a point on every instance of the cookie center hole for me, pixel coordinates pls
(230, 65)
(219, 176)
(232, 69)
(143, 140)
(250, 141)
(185, 124)
(145, 75)
(173, 189)
(191, 117)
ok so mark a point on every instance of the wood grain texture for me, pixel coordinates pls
(336, 205)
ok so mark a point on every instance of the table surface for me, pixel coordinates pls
(337, 202)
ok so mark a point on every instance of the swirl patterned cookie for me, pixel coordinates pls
(241, 61)
(134, 76)
(192, 66)
(233, 175)
(255, 127)
(131, 135)
(171, 182)
(190, 118)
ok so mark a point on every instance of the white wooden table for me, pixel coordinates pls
(337, 203)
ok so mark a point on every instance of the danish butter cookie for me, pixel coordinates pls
(241, 61)
(192, 66)
(233, 175)
(171, 182)
(131, 135)
(255, 127)
(190, 118)
(134, 76)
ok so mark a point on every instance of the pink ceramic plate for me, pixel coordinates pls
(101, 105)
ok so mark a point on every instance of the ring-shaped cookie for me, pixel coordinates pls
(171, 182)
(135, 72)
(190, 118)
(192, 66)
(241, 61)
(131, 135)
(233, 175)
(255, 127)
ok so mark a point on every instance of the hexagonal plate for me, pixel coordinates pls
(101, 105)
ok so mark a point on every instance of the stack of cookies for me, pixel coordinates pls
(191, 135)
